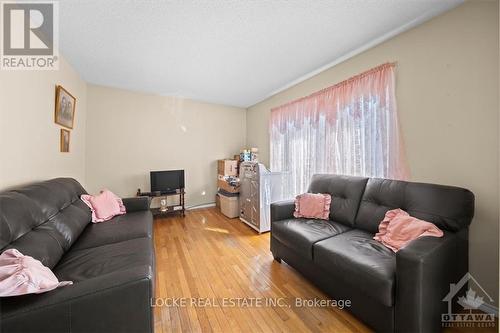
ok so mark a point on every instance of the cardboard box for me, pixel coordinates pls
(222, 184)
(227, 167)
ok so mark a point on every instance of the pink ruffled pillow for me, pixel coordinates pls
(21, 275)
(398, 229)
(104, 206)
(314, 206)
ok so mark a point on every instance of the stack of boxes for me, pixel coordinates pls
(227, 178)
(228, 184)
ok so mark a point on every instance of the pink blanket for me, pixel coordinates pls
(20, 275)
(399, 228)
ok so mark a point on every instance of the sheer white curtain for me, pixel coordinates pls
(350, 128)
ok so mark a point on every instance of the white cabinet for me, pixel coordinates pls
(257, 191)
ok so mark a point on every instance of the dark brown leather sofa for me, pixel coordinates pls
(391, 292)
(111, 264)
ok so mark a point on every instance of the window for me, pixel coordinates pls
(350, 128)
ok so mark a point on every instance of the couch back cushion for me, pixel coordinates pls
(43, 220)
(346, 192)
(450, 208)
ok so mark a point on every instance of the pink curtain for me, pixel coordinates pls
(350, 128)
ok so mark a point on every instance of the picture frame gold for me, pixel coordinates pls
(64, 110)
(64, 140)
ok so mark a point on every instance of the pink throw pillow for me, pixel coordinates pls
(104, 206)
(21, 275)
(398, 229)
(314, 206)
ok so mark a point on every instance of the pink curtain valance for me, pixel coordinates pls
(329, 100)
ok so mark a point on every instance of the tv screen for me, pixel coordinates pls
(167, 181)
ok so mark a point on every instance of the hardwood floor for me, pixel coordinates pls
(212, 263)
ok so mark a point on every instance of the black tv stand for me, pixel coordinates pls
(180, 208)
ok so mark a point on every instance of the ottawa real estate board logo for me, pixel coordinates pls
(473, 305)
(29, 35)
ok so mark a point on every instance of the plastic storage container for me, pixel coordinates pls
(229, 206)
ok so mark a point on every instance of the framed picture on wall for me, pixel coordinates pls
(65, 108)
(64, 140)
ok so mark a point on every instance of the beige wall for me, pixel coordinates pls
(29, 138)
(131, 134)
(447, 94)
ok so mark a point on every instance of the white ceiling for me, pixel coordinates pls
(230, 52)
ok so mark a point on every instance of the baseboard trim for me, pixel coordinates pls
(207, 205)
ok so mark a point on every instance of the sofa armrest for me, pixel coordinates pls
(282, 210)
(424, 271)
(136, 204)
(116, 302)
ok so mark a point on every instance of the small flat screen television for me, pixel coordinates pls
(167, 181)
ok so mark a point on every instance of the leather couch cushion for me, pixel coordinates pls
(80, 265)
(300, 234)
(361, 261)
(43, 220)
(450, 208)
(346, 192)
(132, 225)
